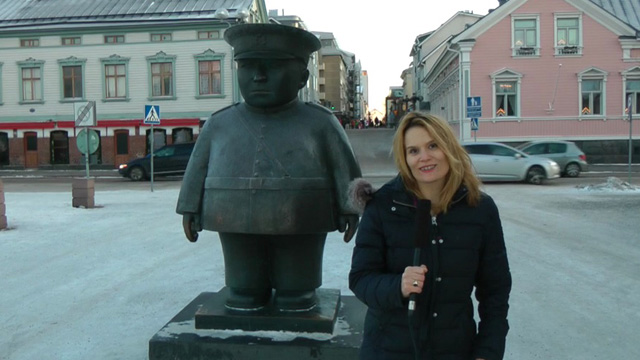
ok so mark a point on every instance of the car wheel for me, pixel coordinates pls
(572, 170)
(535, 175)
(136, 174)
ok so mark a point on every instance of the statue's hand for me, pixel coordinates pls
(191, 226)
(348, 224)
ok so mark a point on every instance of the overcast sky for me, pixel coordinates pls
(380, 34)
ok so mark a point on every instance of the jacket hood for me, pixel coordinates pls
(360, 191)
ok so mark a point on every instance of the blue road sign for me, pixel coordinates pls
(152, 114)
(474, 107)
(474, 124)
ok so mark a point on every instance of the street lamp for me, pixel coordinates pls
(415, 99)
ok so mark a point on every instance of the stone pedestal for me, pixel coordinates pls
(3, 208)
(83, 192)
(321, 319)
(180, 339)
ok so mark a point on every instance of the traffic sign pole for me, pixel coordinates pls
(474, 111)
(630, 110)
(151, 117)
(152, 146)
(86, 155)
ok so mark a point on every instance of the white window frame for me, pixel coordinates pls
(210, 35)
(593, 73)
(72, 61)
(163, 37)
(630, 74)
(210, 55)
(115, 60)
(523, 50)
(562, 49)
(162, 58)
(31, 63)
(505, 75)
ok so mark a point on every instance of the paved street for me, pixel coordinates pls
(98, 284)
(373, 169)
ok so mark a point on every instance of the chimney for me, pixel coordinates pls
(502, 2)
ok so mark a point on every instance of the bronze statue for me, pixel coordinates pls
(270, 174)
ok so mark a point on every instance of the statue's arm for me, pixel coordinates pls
(345, 168)
(192, 189)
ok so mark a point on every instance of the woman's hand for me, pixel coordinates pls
(413, 280)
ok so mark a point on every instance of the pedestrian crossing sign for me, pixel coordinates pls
(152, 114)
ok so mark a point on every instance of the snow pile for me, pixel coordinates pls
(612, 184)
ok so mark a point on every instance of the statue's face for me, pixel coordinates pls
(266, 83)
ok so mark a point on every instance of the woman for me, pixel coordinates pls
(465, 249)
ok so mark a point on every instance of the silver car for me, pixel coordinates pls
(568, 155)
(498, 162)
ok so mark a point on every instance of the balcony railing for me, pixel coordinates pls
(568, 50)
(525, 51)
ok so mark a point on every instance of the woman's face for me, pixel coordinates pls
(427, 162)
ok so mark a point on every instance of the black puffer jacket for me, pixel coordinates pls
(468, 251)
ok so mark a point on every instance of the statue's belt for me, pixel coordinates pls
(283, 184)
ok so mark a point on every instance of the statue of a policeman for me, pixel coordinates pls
(270, 175)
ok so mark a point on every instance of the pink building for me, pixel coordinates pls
(546, 69)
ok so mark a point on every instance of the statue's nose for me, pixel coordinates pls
(259, 77)
(261, 73)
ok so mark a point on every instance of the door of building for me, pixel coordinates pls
(121, 138)
(59, 147)
(30, 150)
(4, 148)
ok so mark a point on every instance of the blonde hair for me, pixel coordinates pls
(460, 168)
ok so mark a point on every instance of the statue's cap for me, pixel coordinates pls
(271, 41)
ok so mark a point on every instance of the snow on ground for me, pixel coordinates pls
(612, 184)
(99, 283)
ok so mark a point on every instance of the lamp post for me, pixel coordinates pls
(415, 99)
(223, 16)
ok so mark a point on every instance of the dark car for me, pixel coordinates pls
(568, 155)
(167, 160)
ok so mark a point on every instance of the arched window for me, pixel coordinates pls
(182, 135)
(59, 147)
(159, 139)
(592, 83)
(506, 93)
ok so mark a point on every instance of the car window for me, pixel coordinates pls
(479, 149)
(557, 148)
(168, 151)
(501, 151)
(184, 149)
(535, 149)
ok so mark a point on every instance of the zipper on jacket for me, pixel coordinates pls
(434, 282)
(403, 204)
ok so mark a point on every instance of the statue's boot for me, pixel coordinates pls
(247, 299)
(295, 300)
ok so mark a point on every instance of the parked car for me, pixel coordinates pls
(499, 162)
(568, 155)
(167, 160)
